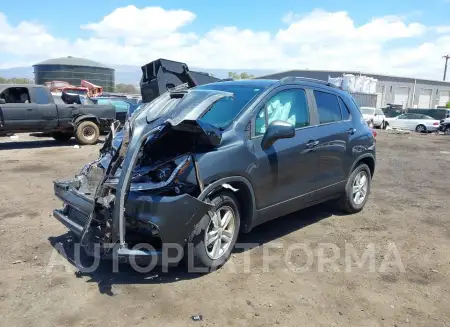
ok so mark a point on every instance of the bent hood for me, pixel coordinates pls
(180, 110)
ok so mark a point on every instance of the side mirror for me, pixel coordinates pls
(375, 114)
(2, 101)
(277, 129)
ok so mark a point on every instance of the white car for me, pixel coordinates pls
(414, 122)
(373, 116)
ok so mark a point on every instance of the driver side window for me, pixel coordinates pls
(288, 105)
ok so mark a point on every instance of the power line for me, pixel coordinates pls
(445, 68)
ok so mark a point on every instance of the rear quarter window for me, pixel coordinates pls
(328, 107)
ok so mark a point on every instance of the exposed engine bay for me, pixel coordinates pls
(146, 181)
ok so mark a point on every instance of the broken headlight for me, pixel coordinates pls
(161, 176)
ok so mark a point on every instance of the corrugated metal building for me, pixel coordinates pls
(409, 92)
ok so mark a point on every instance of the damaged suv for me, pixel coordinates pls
(195, 167)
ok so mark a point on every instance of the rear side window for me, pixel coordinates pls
(327, 107)
(344, 109)
(41, 96)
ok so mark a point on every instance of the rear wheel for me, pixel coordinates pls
(62, 136)
(447, 131)
(357, 190)
(87, 133)
(421, 129)
(215, 236)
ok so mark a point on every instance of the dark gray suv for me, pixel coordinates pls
(195, 167)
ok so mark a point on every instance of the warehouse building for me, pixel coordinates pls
(408, 92)
(74, 70)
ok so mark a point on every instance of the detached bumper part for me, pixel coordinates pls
(175, 217)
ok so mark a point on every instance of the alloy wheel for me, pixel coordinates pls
(220, 232)
(360, 186)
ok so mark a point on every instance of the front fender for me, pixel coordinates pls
(219, 184)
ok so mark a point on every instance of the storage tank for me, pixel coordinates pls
(74, 70)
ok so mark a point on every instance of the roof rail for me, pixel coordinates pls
(290, 79)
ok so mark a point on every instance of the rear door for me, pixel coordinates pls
(333, 132)
(411, 121)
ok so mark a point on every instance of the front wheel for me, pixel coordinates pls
(447, 131)
(357, 190)
(214, 238)
(87, 133)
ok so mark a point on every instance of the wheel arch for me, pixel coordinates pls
(83, 118)
(368, 159)
(243, 190)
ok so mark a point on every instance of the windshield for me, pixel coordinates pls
(367, 111)
(229, 100)
(227, 109)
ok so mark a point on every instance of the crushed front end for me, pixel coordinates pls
(141, 193)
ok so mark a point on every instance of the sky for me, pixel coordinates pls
(405, 38)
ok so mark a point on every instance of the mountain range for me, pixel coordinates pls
(129, 74)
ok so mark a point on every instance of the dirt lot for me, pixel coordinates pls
(408, 208)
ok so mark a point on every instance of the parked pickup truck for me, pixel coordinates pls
(33, 108)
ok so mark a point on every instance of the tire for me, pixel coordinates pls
(382, 125)
(370, 124)
(421, 128)
(62, 136)
(202, 257)
(87, 133)
(347, 202)
(447, 131)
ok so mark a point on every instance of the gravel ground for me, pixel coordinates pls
(405, 222)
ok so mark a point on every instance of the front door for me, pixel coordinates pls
(283, 175)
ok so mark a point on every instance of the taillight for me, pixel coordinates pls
(435, 123)
(374, 133)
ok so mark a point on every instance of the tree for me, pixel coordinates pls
(126, 88)
(243, 75)
(448, 104)
(15, 80)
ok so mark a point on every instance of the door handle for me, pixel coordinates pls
(30, 109)
(351, 131)
(312, 144)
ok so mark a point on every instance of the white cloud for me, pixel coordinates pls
(315, 40)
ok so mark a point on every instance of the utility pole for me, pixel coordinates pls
(445, 69)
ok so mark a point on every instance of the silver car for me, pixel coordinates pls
(414, 122)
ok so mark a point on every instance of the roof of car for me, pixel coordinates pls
(246, 82)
